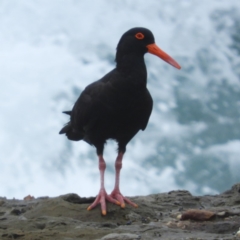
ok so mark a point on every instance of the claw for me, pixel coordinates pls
(123, 205)
(104, 212)
(89, 208)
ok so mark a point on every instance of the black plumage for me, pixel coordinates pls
(119, 104)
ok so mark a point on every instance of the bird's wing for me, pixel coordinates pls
(92, 103)
(149, 106)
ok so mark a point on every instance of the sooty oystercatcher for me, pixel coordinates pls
(116, 107)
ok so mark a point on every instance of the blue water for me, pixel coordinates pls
(50, 50)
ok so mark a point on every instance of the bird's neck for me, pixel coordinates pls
(133, 68)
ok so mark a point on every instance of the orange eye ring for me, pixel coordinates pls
(139, 36)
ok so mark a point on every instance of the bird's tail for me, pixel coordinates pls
(70, 132)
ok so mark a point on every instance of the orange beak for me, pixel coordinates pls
(154, 49)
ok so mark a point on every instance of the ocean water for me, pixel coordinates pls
(51, 50)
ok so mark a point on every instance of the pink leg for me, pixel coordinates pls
(102, 196)
(116, 192)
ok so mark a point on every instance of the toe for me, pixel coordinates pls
(104, 212)
(130, 202)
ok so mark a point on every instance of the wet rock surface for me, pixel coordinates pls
(172, 215)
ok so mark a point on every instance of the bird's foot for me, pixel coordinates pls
(120, 198)
(102, 198)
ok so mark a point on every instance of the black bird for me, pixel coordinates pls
(117, 106)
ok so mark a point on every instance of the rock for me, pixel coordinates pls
(74, 198)
(28, 197)
(238, 233)
(198, 215)
(158, 216)
(121, 236)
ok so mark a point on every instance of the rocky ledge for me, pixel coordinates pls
(173, 215)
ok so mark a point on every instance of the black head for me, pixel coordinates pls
(134, 41)
(138, 41)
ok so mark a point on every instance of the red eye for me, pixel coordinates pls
(139, 36)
